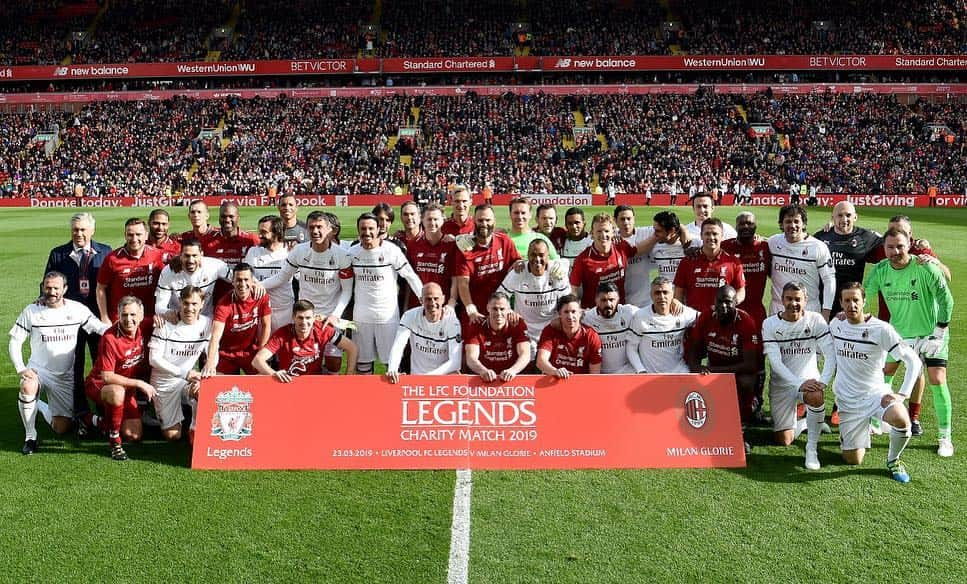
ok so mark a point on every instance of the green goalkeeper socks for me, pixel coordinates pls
(942, 405)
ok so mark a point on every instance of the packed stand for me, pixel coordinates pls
(598, 27)
(38, 32)
(417, 28)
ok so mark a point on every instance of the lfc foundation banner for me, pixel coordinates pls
(455, 421)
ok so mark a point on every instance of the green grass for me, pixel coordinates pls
(71, 513)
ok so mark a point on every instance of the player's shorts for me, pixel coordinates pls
(168, 401)
(331, 350)
(375, 340)
(235, 363)
(854, 422)
(59, 388)
(938, 360)
(92, 388)
(782, 402)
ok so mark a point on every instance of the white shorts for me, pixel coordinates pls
(375, 340)
(167, 404)
(782, 403)
(59, 388)
(854, 423)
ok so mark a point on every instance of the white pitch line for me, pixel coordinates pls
(458, 569)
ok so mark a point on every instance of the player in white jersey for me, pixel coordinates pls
(862, 342)
(325, 275)
(194, 269)
(792, 341)
(656, 343)
(174, 350)
(433, 335)
(800, 257)
(612, 322)
(536, 288)
(266, 260)
(52, 325)
(703, 205)
(671, 241)
(576, 239)
(376, 266)
(638, 272)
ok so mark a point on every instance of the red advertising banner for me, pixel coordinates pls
(455, 421)
(486, 65)
(562, 199)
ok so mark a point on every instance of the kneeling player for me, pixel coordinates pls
(496, 349)
(118, 374)
(300, 346)
(174, 349)
(862, 343)
(433, 334)
(792, 340)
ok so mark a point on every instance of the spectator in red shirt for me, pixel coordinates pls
(130, 270)
(241, 325)
(299, 346)
(699, 277)
(604, 261)
(158, 223)
(572, 348)
(483, 261)
(496, 349)
(460, 221)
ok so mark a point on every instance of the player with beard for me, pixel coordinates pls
(699, 277)
(484, 259)
(799, 257)
(570, 348)
(130, 270)
(294, 231)
(520, 229)
(52, 325)
(241, 325)
(671, 241)
(793, 340)
(267, 260)
(730, 339)
(433, 256)
(657, 342)
(193, 269)
(299, 347)
(575, 239)
(158, 223)
(376, 266)
(495, 349)
(612, 321)
(640, 265)
(460, 222)
(862, 343)
(121, 371)
(433, 335)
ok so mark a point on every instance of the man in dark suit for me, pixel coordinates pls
(79, 260)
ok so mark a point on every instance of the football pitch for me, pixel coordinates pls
(70, 513)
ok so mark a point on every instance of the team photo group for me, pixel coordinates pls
(632, 291)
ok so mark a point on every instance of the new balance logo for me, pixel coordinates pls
(562, 64)
(60, 72)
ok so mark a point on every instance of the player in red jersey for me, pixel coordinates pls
(158, 223)
(572, 348)
(299, 346)
(460, 221)
(411, 227)
(604, 261)
(729, 338)
(496, 349)
(119, 372)
(433, 256)
(482, 262)
(130, 270)
(241, 325)
(230, 243)
(699, 277)
(201, 230)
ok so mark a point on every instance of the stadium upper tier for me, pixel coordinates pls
(859, 143)
(46, 32)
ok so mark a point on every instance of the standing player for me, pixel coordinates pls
(612, 321)
(266, 260)
(173, 351)
(432, 256)
(575, 239)
(433, 335)
(483, 262)
(194, 270)
(793, 340)
(496, 349)
(798, 257)
(699, 278)
(520, 226)
(51, 324)
(410, 224)
(376, 266)
(671, 241)
(130, 270)
(119, 372)
(294, 231)
(158, 237)
(198, 216)
(547, 225)
(921, 306)
(535, 289)
(604, 261)
(572, 348)
(230, 243)
(299, 347)
(79, 260)
(657, 342)
(862, 343)
(460, 221)
(851, 247)
(640, 265)
(241, 325)
(703, 205)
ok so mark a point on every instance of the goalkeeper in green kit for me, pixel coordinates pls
(920, 306)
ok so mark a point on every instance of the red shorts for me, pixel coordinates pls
(235, 363)
(93, 389)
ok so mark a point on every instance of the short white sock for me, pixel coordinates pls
(28, 413)
(898, 441)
